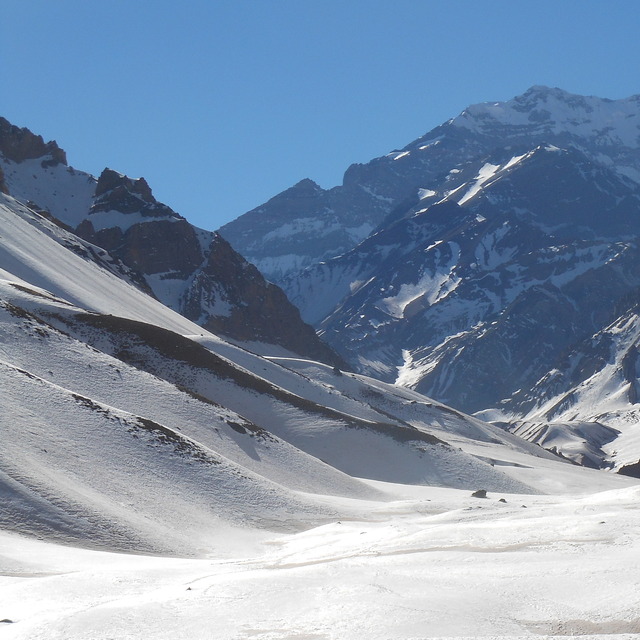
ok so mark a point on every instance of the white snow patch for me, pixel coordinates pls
(515, 160)
(62, 190)
(396, 155)
(411, 372)
(124, 221)
(432, 287)
(377, 196)
(426, 193)
(487, 172)
(430, 143)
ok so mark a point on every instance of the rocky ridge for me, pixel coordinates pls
(194, 272)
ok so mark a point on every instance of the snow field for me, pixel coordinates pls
(442, 565)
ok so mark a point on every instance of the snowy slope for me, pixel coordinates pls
(36, 251)
(201, 435)
(280, 497)
(191, 270)
(594, 391)
(431, 565)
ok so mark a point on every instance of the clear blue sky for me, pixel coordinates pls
(222, 104)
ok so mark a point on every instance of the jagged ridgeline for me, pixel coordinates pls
(479, 262)
(193, 271)
(487, 264)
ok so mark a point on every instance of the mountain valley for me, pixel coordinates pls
(184, 456)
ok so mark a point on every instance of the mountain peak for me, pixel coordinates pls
(117, 192)
(307, 184)
(110, 180)
(553, 111)
(543, 90)
(20, 144)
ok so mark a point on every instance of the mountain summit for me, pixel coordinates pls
(504, 241)
(292, 234)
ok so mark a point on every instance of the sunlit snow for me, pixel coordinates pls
(432, 287)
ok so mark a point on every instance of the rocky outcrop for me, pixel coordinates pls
(19, 144)
(3, 185)
(131, 224)
(196, 273)
(117, 192)
(230, 296)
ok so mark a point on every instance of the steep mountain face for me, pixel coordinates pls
(596, 379)
(195, 272)
(306, 224)
(303, 225)
(511, 237)
(494, 288)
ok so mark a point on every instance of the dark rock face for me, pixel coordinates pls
(165, 244)
(217, 288)
(19, 144)
(116, 192)
(252, 308)
(493, 291)
(3, 185)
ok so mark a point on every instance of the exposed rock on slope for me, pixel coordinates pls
(19, 144)
(191, 270)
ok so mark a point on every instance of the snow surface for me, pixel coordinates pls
(431, 563)
(487, 172)
(63, 191)
(124, 221)
(431, 288)
(236, 486)
(609, 122)
(35, 252)
(426, 193)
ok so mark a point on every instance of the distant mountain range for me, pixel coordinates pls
(491, 264)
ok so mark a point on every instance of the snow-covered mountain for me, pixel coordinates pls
(126, 425)
(308, 501)
(306, 224)
(195, 272)
(510, 237)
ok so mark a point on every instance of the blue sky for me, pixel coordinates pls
(220, 105)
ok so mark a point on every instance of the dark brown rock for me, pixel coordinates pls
(222, 291)
(257, 310)
(160, 246)
(19, 144)
(3, 184)
(116, 192)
